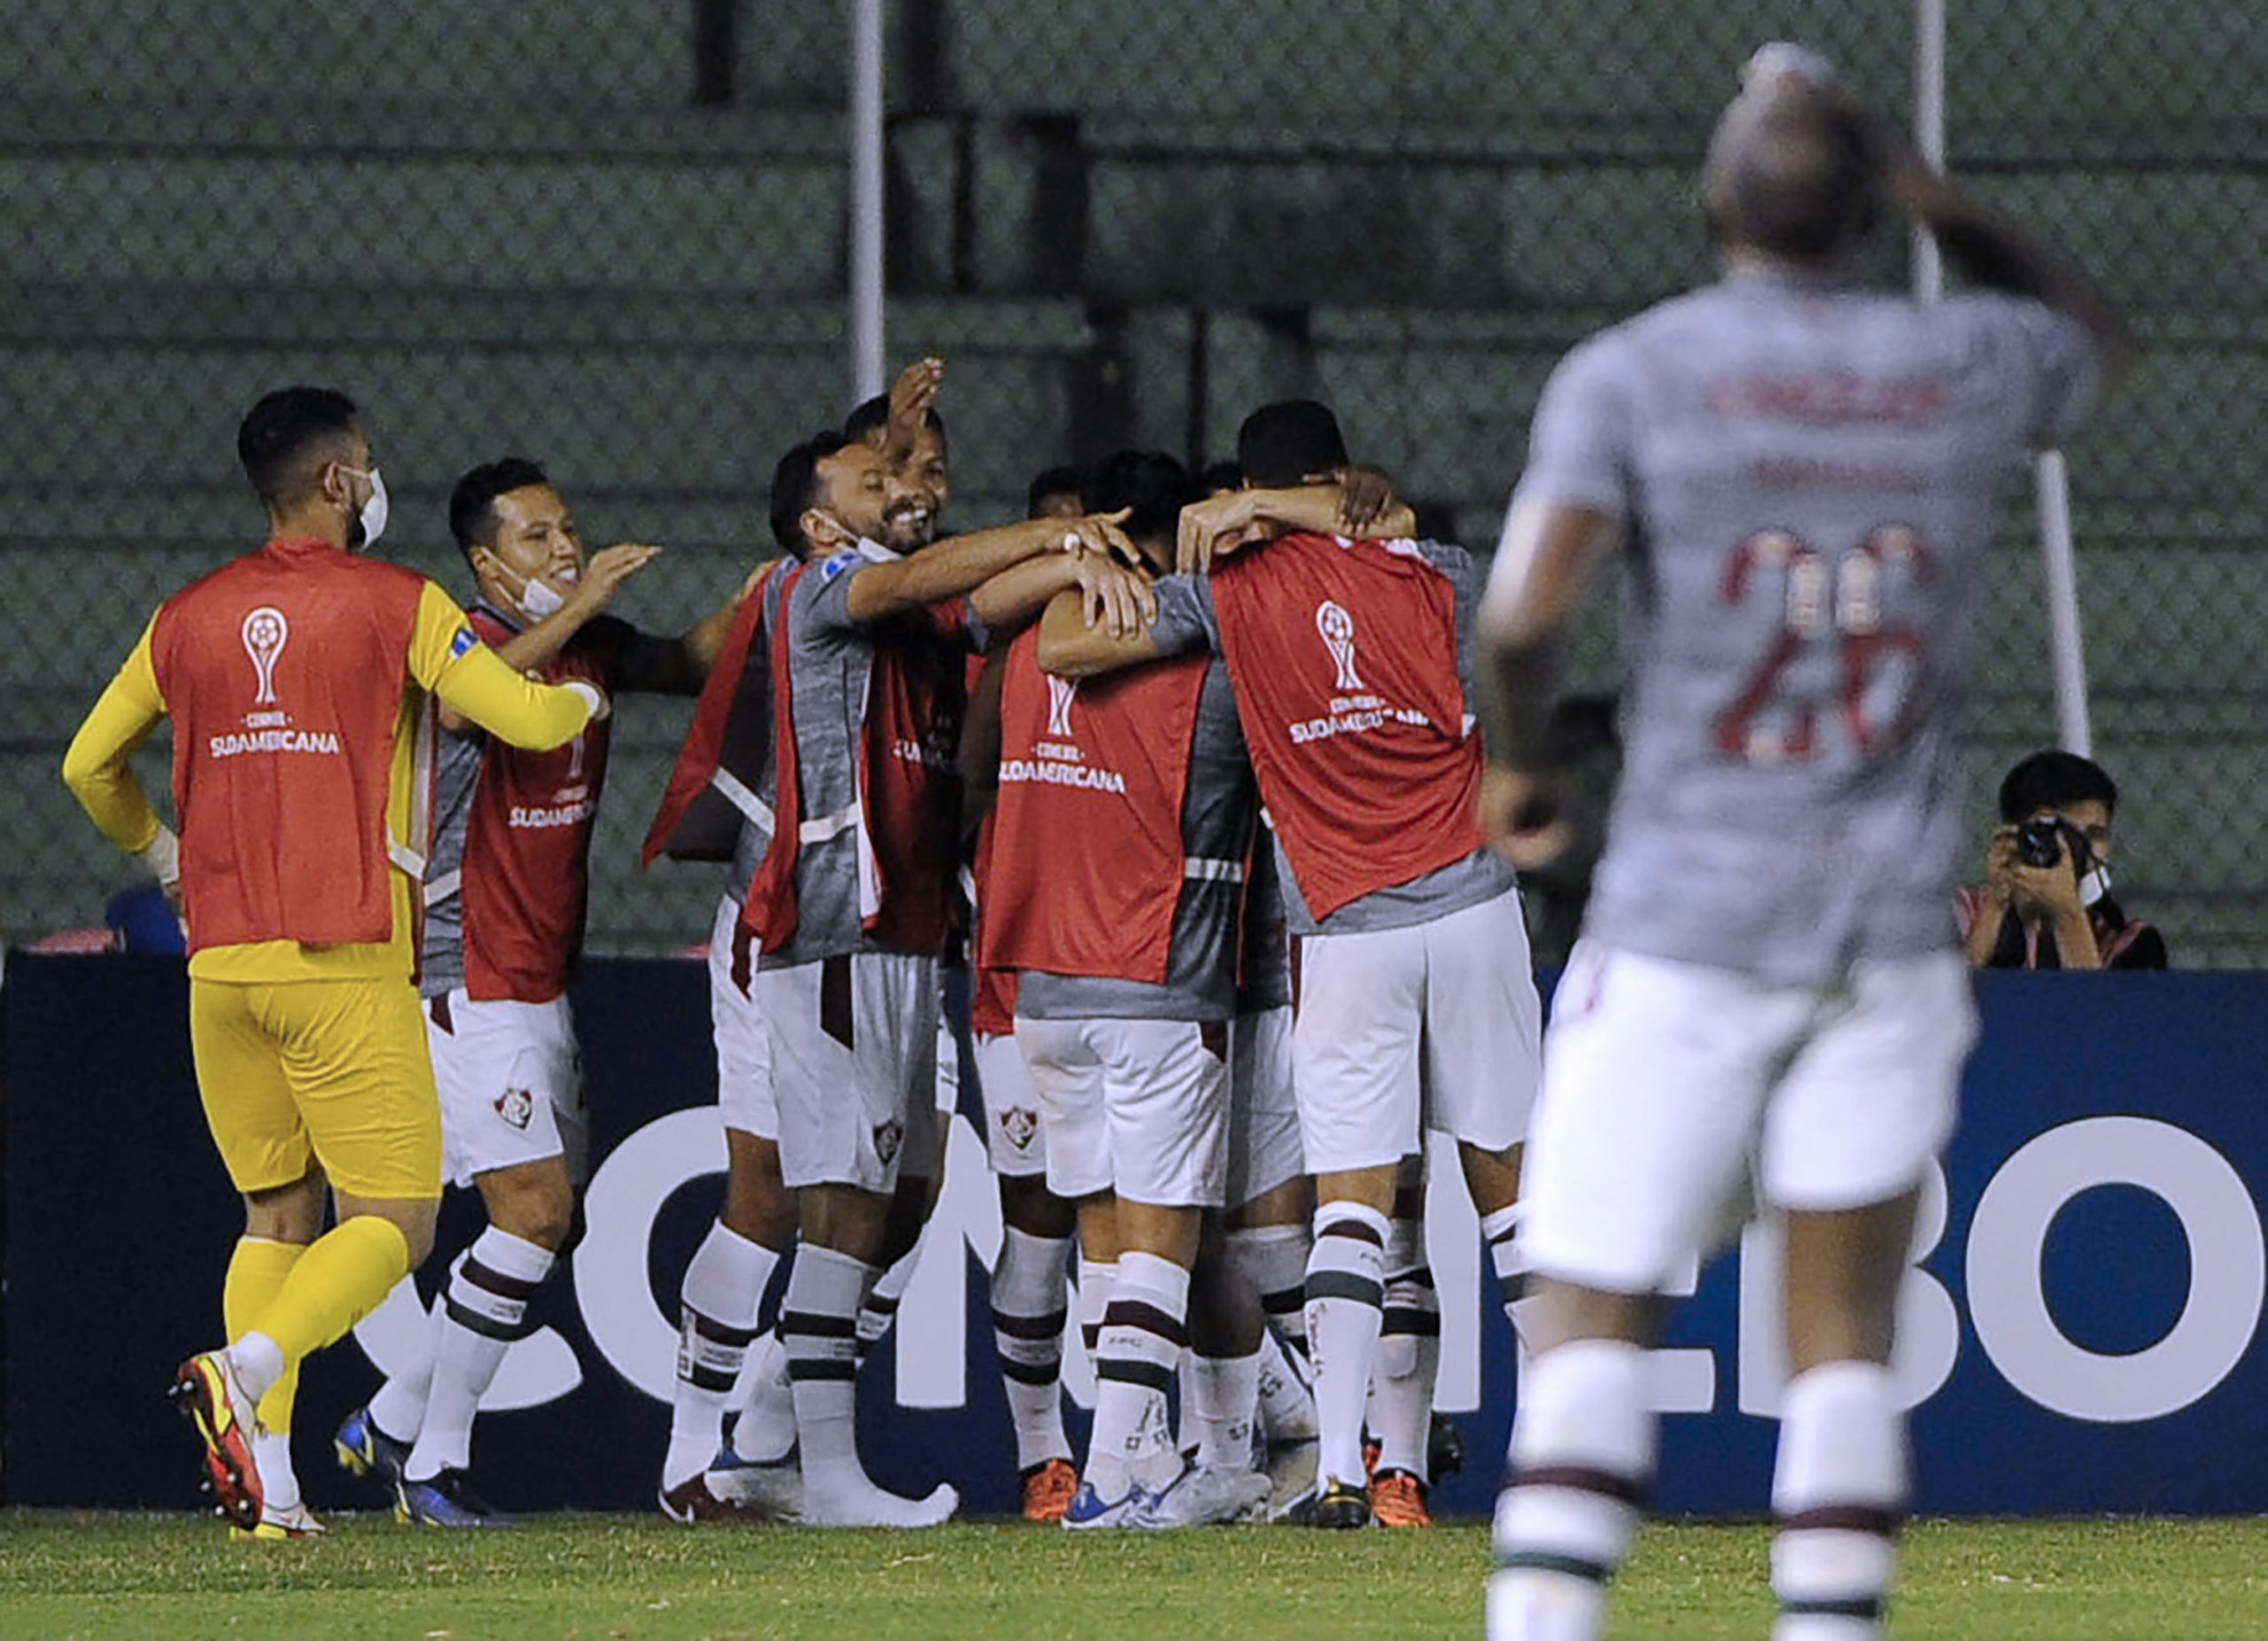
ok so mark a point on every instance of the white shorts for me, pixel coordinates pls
(1264, 1148)
(854, 1067)
(1667, 1086)
(744, 1096)
(1140, 1107)
(1437, 1025)
(1013, 1140)
(510, 1077)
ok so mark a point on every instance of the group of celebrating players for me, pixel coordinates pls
(1216, 789)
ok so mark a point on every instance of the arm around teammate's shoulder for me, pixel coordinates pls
(446, 659)
(952, 568)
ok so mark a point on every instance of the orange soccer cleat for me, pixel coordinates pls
(1398, 1499)
(1049, 1488)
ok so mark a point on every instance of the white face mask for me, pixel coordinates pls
(537, 600)
(2095, 884)
(374, 511)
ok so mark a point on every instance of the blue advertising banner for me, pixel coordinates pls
(2080, 1334)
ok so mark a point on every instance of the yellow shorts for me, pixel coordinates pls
(329, 1071)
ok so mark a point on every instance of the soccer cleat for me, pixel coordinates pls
(363, 1449)
(286, 1525)
(771, 1487)
(1090, 1512)
(692, 1503)
(1341, 1505)
(449, 1499)
(1398, 1499)
(1290, 1470)
(1048, 1489)
(207, 1391)
(1207, 1495)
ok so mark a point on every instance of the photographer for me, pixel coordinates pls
(2045, 902)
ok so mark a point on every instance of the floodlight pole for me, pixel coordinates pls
(867, 352)
(2051, 482)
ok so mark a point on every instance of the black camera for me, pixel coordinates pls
(2039, 842)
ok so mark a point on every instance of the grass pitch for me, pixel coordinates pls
(602, 1578)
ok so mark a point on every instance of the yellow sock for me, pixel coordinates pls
(257, 1272)
(344, 1276)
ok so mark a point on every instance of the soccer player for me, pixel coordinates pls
(1801, 470)
(1037, 1227)
(506, 885)
(850, 905)
(296, 677)
(1349, 657)
(1114, 869)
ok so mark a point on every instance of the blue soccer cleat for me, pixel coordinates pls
(449, 1499)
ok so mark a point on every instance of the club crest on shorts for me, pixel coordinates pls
(516, 1107)
(1060, 692)
(888, 1137)
(1337, 629)
(265, 632)
(1018, 1125)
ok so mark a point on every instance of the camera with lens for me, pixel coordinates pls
(2039, 842)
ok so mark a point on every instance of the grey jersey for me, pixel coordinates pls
(830, 665)
(1217, 808)
(1806, 473)
(1187, 620)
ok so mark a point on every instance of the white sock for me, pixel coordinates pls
(879, 1311)
(399, 1408)
(765, 1428)
(271, 1454)
(1839, 1489)
(716, 1306)
(818, 1325)
(1582, 1456)
(1408, 1359)
(1346, 1292)
(1287, 1399)
(1143, 1335)
(483, 1310)
(1220, 1396)
(1500, 1231)
(1029, 1304)
(259, 1362)
(1094, 1301)
(1274, 1258)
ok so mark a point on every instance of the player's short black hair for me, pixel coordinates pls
(472, 499)
(1222, 475)
(1283, 443)
(1151, 482)
(872, 414)
(1053, 481)
(795, 486)
(2054, 780)
(1796, 175)
(281, 432)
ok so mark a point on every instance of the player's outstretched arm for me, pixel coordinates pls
(1362, 505)
(1550, 556)
(535, 648)
(471, 681)
(959, 566)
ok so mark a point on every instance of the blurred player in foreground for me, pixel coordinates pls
(295, 677)
(1768, 983)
